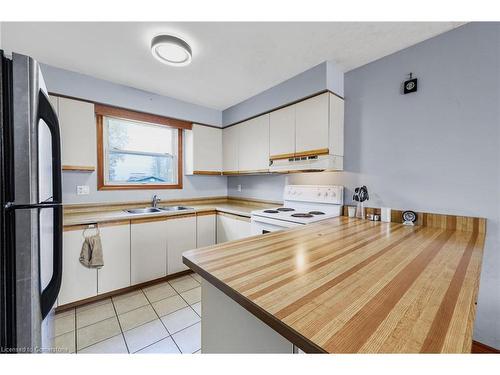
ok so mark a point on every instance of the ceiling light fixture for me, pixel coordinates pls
(171, 50)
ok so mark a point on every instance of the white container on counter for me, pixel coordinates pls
(385, 214)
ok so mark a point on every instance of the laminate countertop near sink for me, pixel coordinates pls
(97, 216)
(346, 285)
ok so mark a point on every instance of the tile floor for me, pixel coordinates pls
(162, 318)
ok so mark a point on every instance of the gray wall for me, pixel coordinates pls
(318, 78)
(65, 82)
(81, 86)
(436, 150)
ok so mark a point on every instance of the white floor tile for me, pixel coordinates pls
(94, 314)
(93, 304)
(114, 344)
(192, 296)
(197, 307)
(184, 283)
(65, 343)
(196, 277)
(166, 345)
(180, 319)
(169, 305)
(189, 339)
(145, 335)
(159, 291)
(64, 323)
(129, 301)
(97, 332)
(137, 317)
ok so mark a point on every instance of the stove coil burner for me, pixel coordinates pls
(316, 213)
(285, 209)
(302, 215)
(271, 211)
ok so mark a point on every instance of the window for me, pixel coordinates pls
(138, 151)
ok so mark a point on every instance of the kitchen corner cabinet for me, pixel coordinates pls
(78, 282)
(203, 150)
(181, 235)
(205, 229)
(115, 274)
(78, 133)
(230, 138)
(232, 227)
(253, 145)
(148, 249)
(312, 124)
(282, 133)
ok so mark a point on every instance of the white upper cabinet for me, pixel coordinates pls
(336, 125)
(282, 132)
(312, 124)
(253, 155)
(203, 150)
(78, 133)
(230, 149)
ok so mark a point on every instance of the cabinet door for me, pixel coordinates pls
(205, 230)
(282, 133)
(78, 282)
(115, 273)
(148, 248)
(231, 227)
(181, 236)
(207, 149)
(254, 145)
(78, 132)
(336, 125)
(311, 124)
(230, 149)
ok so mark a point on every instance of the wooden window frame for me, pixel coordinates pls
(101, 111)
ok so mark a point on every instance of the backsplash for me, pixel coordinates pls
(194, 187)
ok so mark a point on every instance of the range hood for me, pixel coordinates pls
(308, 163)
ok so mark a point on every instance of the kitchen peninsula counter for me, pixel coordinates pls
(345, 285)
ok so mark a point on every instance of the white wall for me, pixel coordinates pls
(437, 150)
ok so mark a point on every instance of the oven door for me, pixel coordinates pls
(263, 225)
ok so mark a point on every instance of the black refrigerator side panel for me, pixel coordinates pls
(7, 255)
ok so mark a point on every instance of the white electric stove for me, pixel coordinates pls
(303, 204)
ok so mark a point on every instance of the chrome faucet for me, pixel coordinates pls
(155, 201)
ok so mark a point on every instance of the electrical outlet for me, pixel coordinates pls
(238, 187)
(82, 190)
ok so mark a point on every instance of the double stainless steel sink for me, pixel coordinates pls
(153, 210)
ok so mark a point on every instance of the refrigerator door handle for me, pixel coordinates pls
(47, 114)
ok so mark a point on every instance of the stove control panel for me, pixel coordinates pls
(332, 194)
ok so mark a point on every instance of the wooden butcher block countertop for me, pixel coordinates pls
(346, 285)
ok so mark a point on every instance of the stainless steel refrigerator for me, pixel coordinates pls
(31, 209)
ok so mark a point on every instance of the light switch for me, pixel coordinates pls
(238, 187)
(82, 190)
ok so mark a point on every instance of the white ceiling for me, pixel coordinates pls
(231, 61)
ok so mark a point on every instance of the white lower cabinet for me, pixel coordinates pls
(78, 282)
(205, 230)
(232, 227)
(148, 250)
(142, 250)
(181, 236)
(115, 274)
